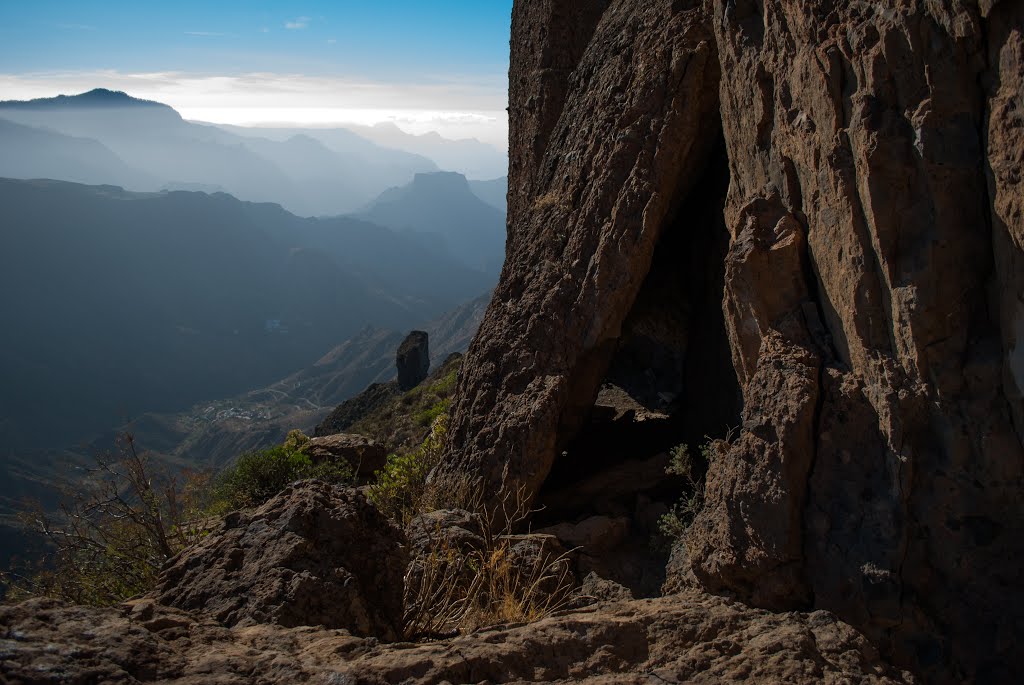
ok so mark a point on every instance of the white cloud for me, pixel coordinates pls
(455, 107)
(297, 23)
(332, 41)
(204, 33)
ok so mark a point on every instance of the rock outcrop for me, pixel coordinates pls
(363, 454)
(413, 360)
(314, 555)
(375, 396)
(869, 293)
(800, 219)
(689, 638)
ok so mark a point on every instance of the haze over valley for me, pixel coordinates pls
(108, 137)
(210, 287)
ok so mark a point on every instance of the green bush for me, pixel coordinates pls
(259, 475)
(129, 517)
(446, 385)
(430, 414)
(401, 486)
(678, 520)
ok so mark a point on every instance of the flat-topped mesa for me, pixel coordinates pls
(837, 180)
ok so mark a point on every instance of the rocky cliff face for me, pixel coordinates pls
(867, 263)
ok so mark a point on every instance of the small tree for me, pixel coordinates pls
(116, 532)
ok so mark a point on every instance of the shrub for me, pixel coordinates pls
(259, 475)
(129, 518)
(446, 385)
(401, 485)
(402, 423)
(678, 520)
(124, 522)
(429, 415)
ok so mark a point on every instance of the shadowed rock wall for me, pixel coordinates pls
(634, 122)
(873, 290)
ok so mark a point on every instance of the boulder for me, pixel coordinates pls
(365, 455)
(456, 529)
(413, 360)
(314, 555)
(595, 535)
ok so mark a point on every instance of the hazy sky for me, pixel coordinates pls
(426, 65)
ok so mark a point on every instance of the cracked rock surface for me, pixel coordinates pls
(872, 295)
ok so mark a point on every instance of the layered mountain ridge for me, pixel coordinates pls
(144, 145)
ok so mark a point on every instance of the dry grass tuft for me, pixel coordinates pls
(551, 200)
(505, 578)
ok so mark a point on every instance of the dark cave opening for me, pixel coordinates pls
(670, 380)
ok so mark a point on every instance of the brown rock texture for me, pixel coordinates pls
(314, 555)
(872, 292)
(599, 149)
(690, 638)
(363, 454)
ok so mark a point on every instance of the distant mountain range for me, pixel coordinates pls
(470, 157)
(109, 137)
(116, 302)
(158, 275)
(494, 192)
(30, 152)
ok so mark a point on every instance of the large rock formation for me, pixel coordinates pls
(870, 293)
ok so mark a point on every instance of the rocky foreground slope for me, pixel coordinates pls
(236, 609)
(799, 219)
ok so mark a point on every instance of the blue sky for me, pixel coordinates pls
(233, 60)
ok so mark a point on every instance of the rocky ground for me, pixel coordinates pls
(321, 555)
(685, 638)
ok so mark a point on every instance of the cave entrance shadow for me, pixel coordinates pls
(670, 381)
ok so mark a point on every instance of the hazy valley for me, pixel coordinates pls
(204, 323)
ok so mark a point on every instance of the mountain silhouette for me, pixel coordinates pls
(494, 192)
(442, 205)
(468, 156)
(97, 97)
(30, 152)
(309, 173)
